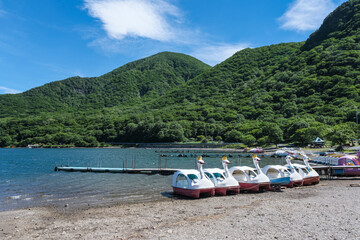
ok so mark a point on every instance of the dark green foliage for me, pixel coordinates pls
(285, 92)
(342, 134)
(342, 23)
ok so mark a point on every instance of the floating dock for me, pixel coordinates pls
(161, 171)
(331, 171)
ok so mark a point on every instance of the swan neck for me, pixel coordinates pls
(290, 165)
(201, 170)
(256, 163)
(226, 170)
(307, 163)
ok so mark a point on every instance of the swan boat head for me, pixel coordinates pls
(294, 175)
(261, 177)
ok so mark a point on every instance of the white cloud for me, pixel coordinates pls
(8, 90)
(305, 15)
(214, 54)
(135, 18)
(151, 26)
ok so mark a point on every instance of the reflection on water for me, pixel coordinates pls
(28, 179)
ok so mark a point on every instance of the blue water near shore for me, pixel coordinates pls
(28, 179)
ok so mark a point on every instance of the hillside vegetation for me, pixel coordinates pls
(126, 85)
(289, 92)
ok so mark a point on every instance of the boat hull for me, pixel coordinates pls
(222, 191)
(265, 186)
(352, 172)
(255, 187)
(311, 180)
(280, 181)
(276, 183)
(297, 183)
(249, 186)
(194, 193)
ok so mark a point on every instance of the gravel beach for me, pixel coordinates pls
(329, 210)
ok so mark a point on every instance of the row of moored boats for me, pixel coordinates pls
(214, 181)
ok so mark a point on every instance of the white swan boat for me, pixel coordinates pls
(278, 175)
(295, 178)
(224, 182)
(309, 175)
(251, 179)
(193, 183)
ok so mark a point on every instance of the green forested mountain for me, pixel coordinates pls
(290, 92)
(129, 84)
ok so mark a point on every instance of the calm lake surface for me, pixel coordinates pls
(28, 179)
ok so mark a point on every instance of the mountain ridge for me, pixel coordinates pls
(342, 22)
(129, 83)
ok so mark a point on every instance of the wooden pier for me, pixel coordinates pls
(161, 171)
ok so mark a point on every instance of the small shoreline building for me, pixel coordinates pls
(318, 143)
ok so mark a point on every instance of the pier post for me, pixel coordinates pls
(159, 163)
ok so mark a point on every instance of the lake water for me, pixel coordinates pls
(28, 179)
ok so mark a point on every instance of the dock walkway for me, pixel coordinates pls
(331, 171)
(161, 171)
(323, 170)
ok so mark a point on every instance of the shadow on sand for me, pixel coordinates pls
(173, 196)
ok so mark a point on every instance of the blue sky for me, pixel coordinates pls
(48, 40)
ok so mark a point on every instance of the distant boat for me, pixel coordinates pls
(34, 146)
(350, 160)
(193, 183)
(340, 159)
(280, 153)
(256, 150)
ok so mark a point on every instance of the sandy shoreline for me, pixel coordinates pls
(329, 210)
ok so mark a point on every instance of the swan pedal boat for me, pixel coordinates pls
(278, 175)
(309, 175)
(296, 179)
(223, 185)
(224, 182)
(193, 183)
(251, 179)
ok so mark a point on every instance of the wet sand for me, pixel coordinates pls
(329, 210)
